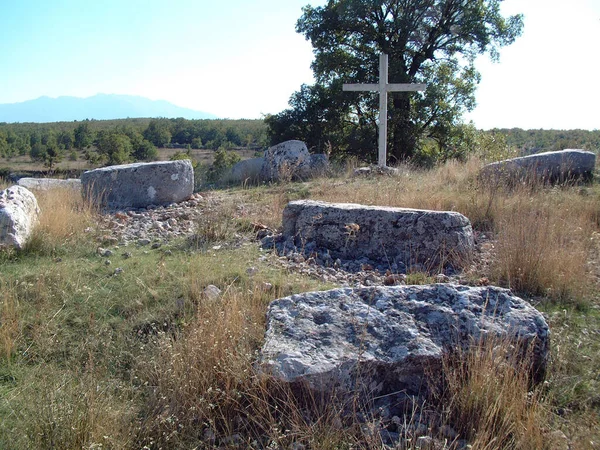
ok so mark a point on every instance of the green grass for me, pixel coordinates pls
(90, 359)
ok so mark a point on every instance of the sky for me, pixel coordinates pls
(243, 58)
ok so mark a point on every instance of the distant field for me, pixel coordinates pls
(27, 165)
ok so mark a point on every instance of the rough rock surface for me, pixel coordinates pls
(552, 166)
(288, 160)
(45, 184)
(382, 340)
(19, 213)
(140, 184)
(401, 238)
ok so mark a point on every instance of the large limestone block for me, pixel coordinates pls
(141, 184)
(432, 239)
(46, 184)
(19, 213)
(552, 166)
(288, 160)
(383, 340)
(246, 170)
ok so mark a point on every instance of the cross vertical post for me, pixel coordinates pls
(383, 87)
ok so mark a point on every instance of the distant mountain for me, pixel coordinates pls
(99, 107)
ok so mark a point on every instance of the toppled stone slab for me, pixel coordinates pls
(392, 236)
(549, 166)
(140, 185)
(46, 184)
(376, 341)
(19, 214)
(247, 170)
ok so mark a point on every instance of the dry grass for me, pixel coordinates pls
(487, 398)
(63, 218)
(76, 370)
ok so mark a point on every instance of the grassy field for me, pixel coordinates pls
(144, 359)
(26, 165)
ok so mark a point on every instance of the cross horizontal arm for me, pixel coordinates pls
(360, 87)
(394, 87)
(391, 87)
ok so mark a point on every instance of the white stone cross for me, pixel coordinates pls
(383, 88)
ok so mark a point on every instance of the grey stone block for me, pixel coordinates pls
(141, 184)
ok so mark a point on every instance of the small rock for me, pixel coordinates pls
(212, 292)
(267, 286)
(127, 255)
(156, 245)
(441, 278)
(251, 271)
(144, 241)
(107, 262)
(559, 440)
(118, 270)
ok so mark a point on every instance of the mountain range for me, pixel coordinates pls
(99, 107)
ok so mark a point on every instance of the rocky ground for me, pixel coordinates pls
(157, 226)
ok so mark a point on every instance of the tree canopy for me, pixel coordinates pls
(428, 41)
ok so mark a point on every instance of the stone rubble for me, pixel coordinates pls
(153, 224)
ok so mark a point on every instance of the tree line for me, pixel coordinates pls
(120, 141)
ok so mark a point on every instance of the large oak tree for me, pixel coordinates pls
(428, 41)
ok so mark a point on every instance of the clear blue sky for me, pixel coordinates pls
(243, 58)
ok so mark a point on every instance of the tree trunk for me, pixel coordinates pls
(403, 140)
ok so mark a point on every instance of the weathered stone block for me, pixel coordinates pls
(141, 184)
(19, 213)
(380, 340)
(432, 239)
(288, 160)
(551, 166)
(46, 184)
(248, 169)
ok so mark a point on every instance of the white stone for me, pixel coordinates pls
(212, 292)
(376, 341)
(248, 170)
(350, 231)
(19, 214)
(288, 160)
(141, 184)
(552, 166)
(45, 184)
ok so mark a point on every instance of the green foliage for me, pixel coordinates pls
(433, 42)
(83, 136)
(50, 154)
(158, 132)
(115, 147)
(19, 138)
(223, 160)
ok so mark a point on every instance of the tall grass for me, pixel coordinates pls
(488, 400)
(63, 219)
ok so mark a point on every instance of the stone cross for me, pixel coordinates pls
(383, 88)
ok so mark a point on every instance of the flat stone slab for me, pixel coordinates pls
(19, 214)
(552, 166)
(431, 239)
(381, 340)
(141, 184)
(46, 184)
